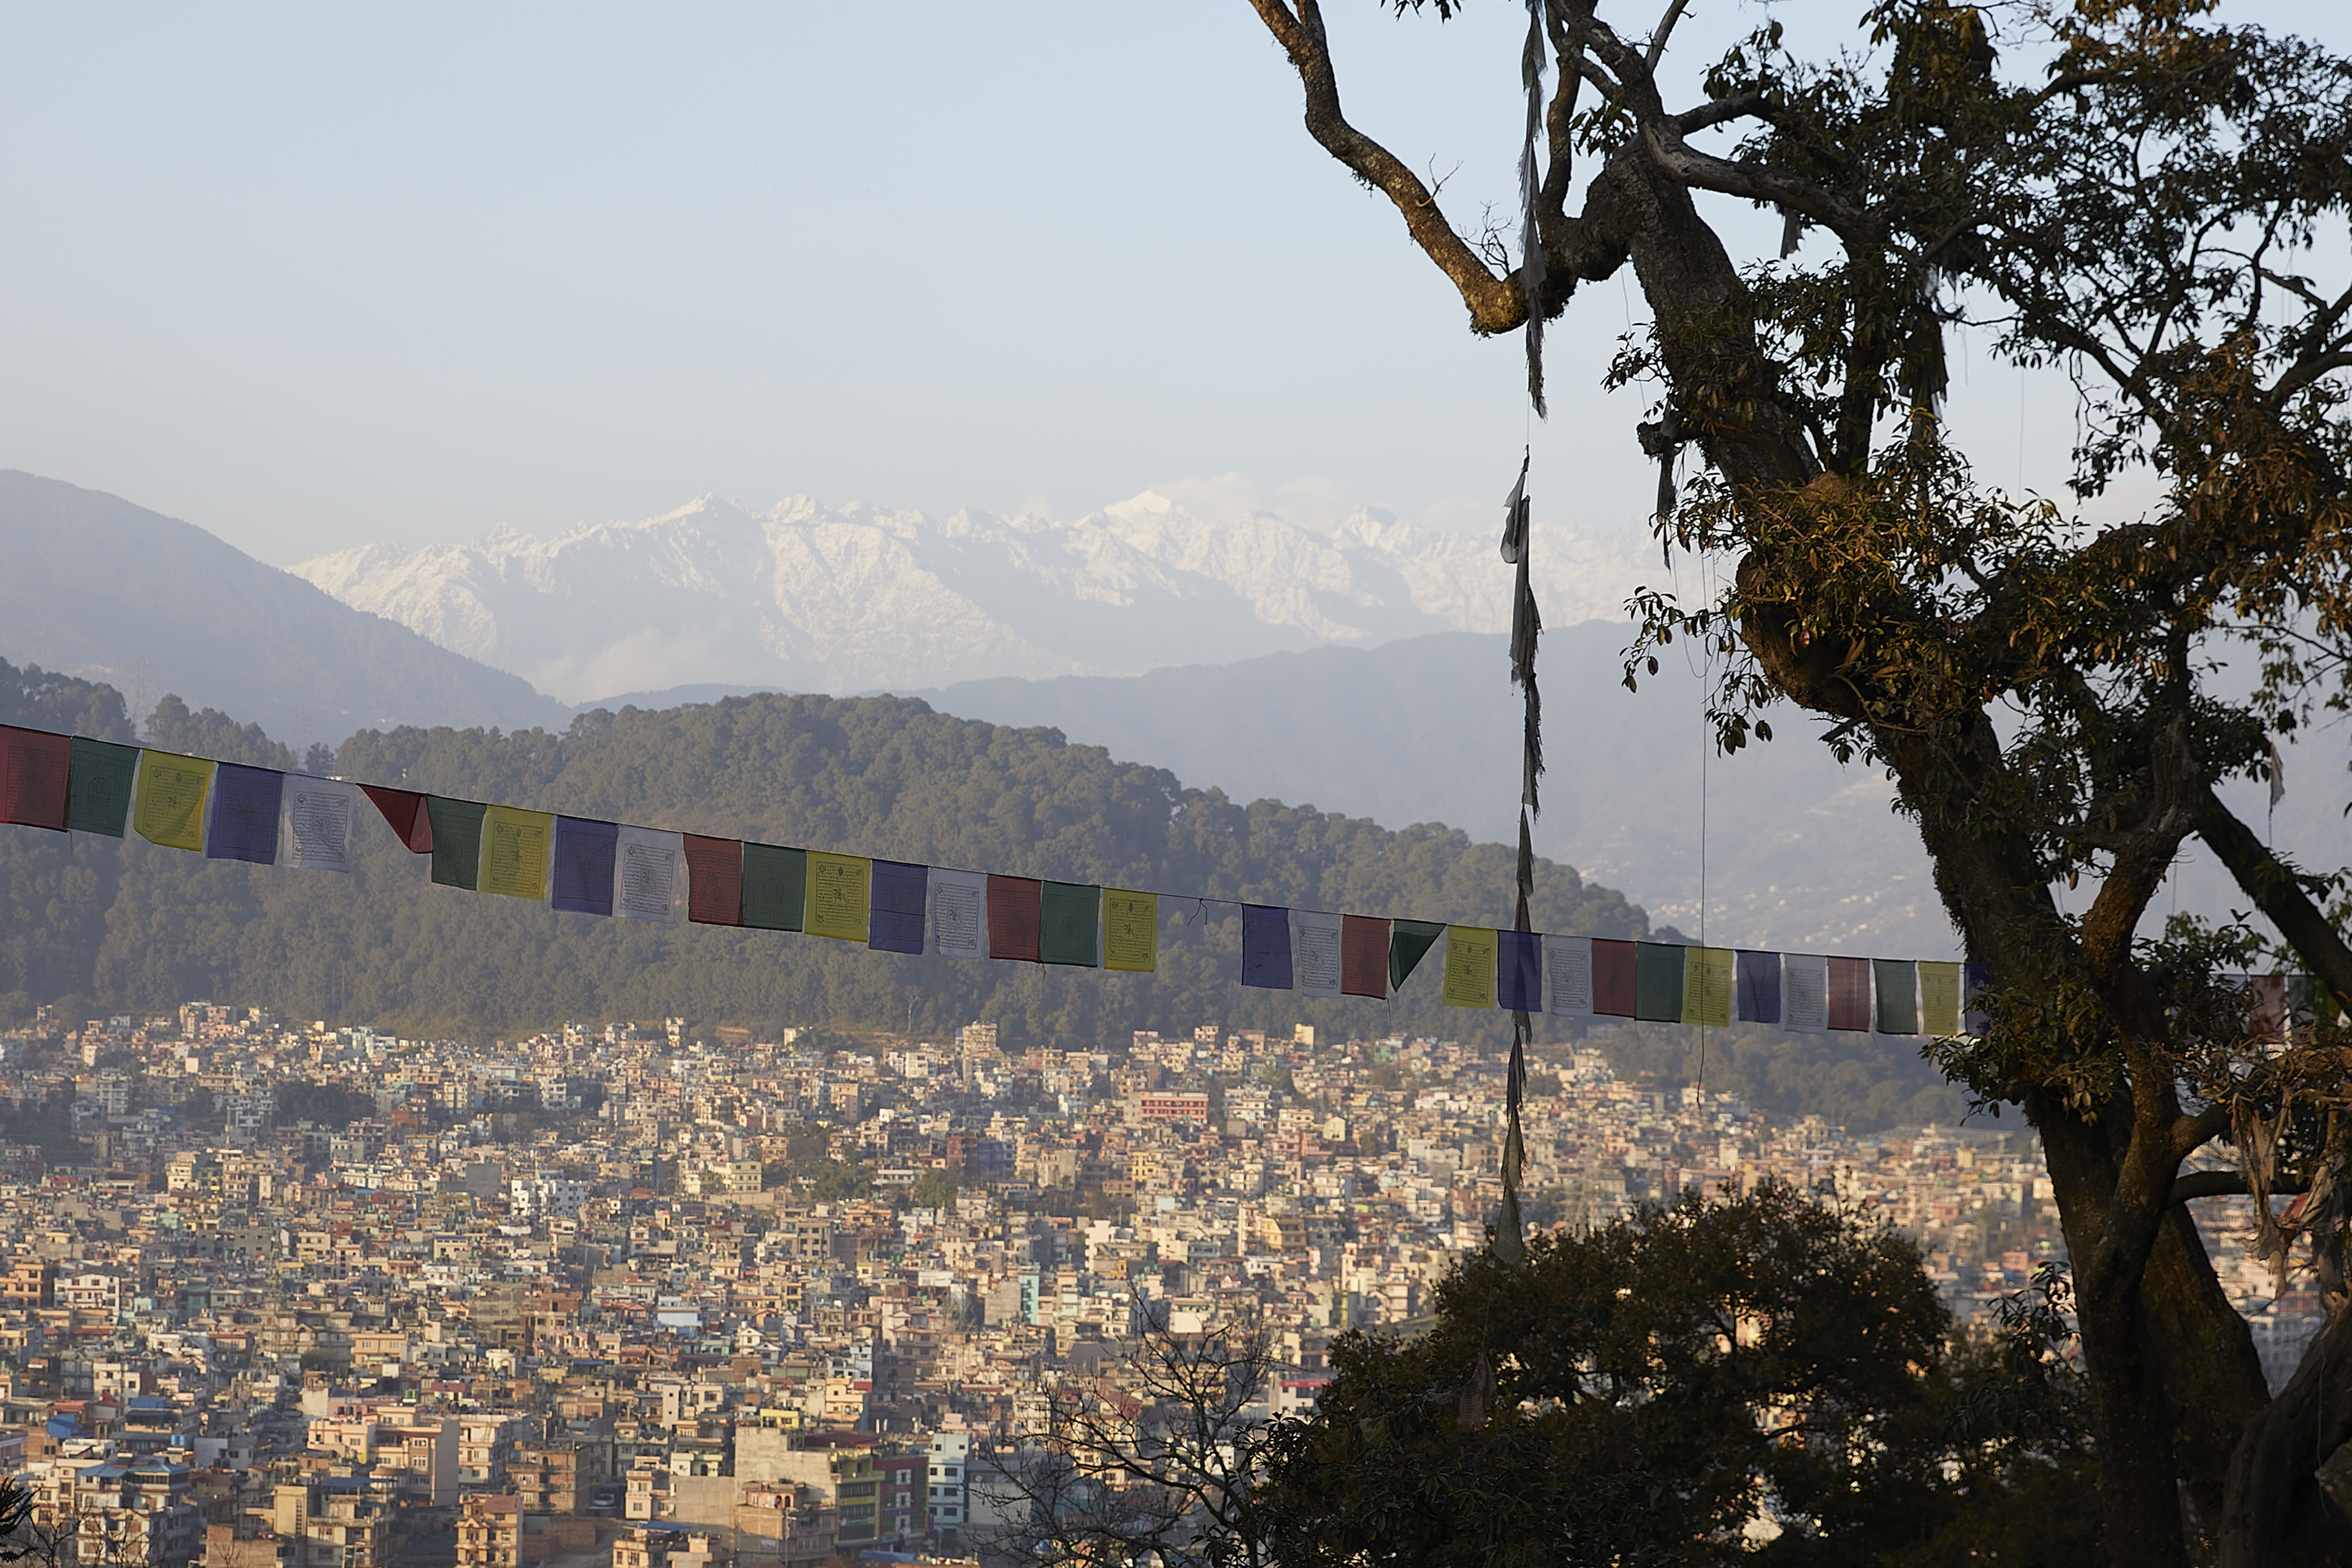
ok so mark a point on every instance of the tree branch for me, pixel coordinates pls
(2275, 891)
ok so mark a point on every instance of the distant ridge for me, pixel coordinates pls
(97, 587)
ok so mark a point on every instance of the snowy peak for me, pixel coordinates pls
(858, 597)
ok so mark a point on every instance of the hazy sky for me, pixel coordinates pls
(314, 275)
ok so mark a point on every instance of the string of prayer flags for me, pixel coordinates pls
(1568, 976)
(1658, 983)
(35, 768)
(1315, 951)
(404, 811)
(896, 924)
(775, 887)
(314, 825)
(454, 839)
(98, 789)
(1015, 918)
(1265, 947)
(1706, 987)
(1759, 987)
(244, 816)
(1850, 994)
(714, 880)
(840, 896)
(1939, 998)
(958, 913)
(1363, 956)
(1804, 993)
(515, 845)
(1470, 952)
(1069, 924)
(1898, 995)
(169, 806)
(1130, 930)
(1615, 977)
(1518, 971)
(1408, 943)
(585, 853)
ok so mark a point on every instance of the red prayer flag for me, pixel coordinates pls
(404, 810)
(714, 880)
(1015, 918)
(1615, 965)
(33, 767)
(1363, 956)
(1850, 993)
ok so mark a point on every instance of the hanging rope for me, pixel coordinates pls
(1526, 626)
(1531, 253)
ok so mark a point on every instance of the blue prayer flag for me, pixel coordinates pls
(1265, 947)
(245, 815)
(584, 850)
(1518, 972)
(1758, 987)
(894, 922)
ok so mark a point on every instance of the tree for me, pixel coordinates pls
(1764, 1379)
(2142, 215)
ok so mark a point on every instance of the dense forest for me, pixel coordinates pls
(99, 925)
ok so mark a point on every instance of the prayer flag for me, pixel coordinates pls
(35, 768)
(1518, 971)
(1759, 987)
(2267, 1018)
(1706, 987)
(840, 896)
(1015, 913)
(244, 811)
(1470, 966)
(1069, 924)
(714, 880)
(1616, 973)
(1315, 951)
(1898, 995)
(1568, 976)
(515, 846)
(314, 826)
(897, 923)
(1850, 993)
(1363, 956)
(454, 835)
(1130, 930)
(645, 874)
(775, 887)
(404, 812)
(1939, 999)
(1804, 993)
(169, 808)
(1975, 979)
(98, 789)
(958, 917)
(1266, 946)
(1658, 981)
(1409, 942)
(585, 853)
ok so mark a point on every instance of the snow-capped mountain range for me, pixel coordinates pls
(859, 598)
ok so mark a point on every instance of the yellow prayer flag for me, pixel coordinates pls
(1939, 998)
(1707, 985)
(1130, 930)
(840, 895)
(514, 852)
(169, 806)
(1470, 955)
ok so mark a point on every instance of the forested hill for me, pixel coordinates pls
(101, 923)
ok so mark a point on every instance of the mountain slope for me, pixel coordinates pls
(99, 587)
(805, 597)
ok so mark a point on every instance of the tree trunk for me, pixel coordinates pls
(2277, 1515)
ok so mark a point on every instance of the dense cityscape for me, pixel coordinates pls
(290, 1295)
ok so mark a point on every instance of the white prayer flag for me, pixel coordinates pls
(1315, 952)
(1568, 976)
(648, 867)
(314, 823)
(1804, 993)
(958, 924)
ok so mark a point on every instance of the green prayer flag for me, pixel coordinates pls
(99, 777)
(456, 840)
(1898, 995)
(1658, 981)
(775, 887)
(1069, 917)
(1408, 942)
